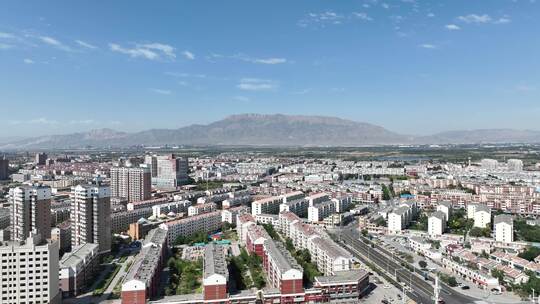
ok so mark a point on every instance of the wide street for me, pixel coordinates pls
(420, 290)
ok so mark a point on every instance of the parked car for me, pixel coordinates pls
(465, 287)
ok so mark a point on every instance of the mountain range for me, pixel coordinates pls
(271, 130)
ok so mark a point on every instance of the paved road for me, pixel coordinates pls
(421, 290)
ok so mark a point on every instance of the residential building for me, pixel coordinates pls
(31, 268)
(91, 216)
(30, 211)
(504, 228)
(172, 171)
(78, 269)
(62, 234)
(298, 207)
(121, 220)
(229, 215)
(283, 272)
(482, 216)
(268, 205)
(40, 159)
(151, 161)
(4, 168)
(342, 203)
(317, 212)
(143, 278)
(515, 165)
(436, 223)
(201, 208)
(131, 183)
(329, 257)
(446, 208)
(206, 222)
(215, 274)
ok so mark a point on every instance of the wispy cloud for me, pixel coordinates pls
(362, 16)
(326, 18)
(186, 75)
(428, 46)
(84, 122)
(86, 44)
(35, 121)
(452, 27)
(55, 43)
(28, 61)
(302, 92)
(483, 19)
(246, 58)
(151, 51)
(256, 84)
(161, 91)
(189, 55)
(431, 15)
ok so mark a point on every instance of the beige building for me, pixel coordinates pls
(30, 210)
(29, 271)
(131, 183)
(91, 216)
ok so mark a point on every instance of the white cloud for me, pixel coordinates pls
(428, 46)
(55, 43)
(83, 122)
(189, 55)
(452, 27)
(484, 19)
(41, 120)
(166, 49)
(270, 60)
(85, 44)
(256, 84)
(362, 16)
(161, 91)
(385, 6)
(431, 15)
(474, 18)
(151, 51)
(301, 92)
(28, 61)
(503, 20)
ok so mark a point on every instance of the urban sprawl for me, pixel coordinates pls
(240, 227)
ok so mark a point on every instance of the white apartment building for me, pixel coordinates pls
(317, 212)
(342, 203)
(30, 272)
(317, 198)
(329, 257)
(206, 222)
(268, 205)
(298, 207)
(436, 223)
(504, 228)
(30, 210)
(229, 215)
(400, 217)
(482, 216)
(201, 208)
(91, 216)
(446, 208)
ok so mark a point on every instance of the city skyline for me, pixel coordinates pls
(409, 66)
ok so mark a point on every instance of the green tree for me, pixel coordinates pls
(422, 264)
(386, 193)
(530, 253)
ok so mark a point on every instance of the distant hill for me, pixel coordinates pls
(482, 136)
(270, 130)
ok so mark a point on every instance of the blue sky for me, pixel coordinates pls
(415, 67)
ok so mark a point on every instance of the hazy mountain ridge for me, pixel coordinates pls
(272, 130)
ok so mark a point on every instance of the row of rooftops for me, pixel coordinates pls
(214, 261)
(78, 255)
(147, 261)
(282, 257)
